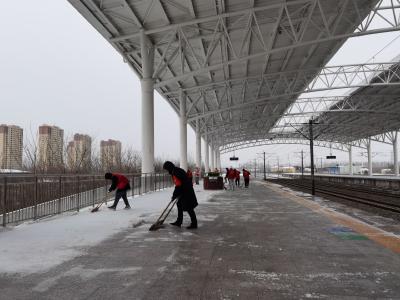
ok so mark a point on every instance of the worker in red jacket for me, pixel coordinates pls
(231, 178)
(184, 191)
(237, 178)
(121, 184)
(197, 175)
(190, 175)
(246, 176)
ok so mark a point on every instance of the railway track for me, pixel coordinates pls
(382, 200)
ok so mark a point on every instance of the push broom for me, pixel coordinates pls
(99, 205)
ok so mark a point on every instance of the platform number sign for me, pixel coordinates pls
(331, 157)
(233, 158)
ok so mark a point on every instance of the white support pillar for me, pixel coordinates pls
(218, 159)
(350, 160)
(215, 157)
(147, 85)
(198, 145)
(183, 131)
(395, 155)
(369, 157)
(206, 155)
(212, 157)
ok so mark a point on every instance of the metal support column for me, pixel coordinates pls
(198, 145)
(147, 84)
(212, 158)
(302, 164)
(395, 155)
(215, 157)
(265, 173)
(206, 155)
(218, 159)
(351, 172)
(183, 131)
(312, 156)
(369, 157)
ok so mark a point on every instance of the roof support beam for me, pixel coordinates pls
(285, 141)
(363, 27)
(316, 79)
(266, 52)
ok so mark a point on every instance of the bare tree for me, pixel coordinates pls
(31, 153)
(131, 161)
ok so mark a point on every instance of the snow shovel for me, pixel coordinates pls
(98, 206)
(159, 223)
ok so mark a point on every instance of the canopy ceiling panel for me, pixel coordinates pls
(228, 54)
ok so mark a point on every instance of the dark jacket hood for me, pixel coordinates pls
(169, 166)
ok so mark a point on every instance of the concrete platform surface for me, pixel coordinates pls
(255, 243)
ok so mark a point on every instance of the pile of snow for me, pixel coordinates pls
(37, 246)
(12, 171)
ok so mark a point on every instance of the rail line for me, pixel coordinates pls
(383, 200)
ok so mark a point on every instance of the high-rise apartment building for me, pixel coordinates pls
(11, 147)
(50, 147)
(79, 152)
(110, 154)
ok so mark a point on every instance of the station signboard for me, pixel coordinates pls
(331, 157)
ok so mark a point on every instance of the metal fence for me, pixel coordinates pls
(27, 197)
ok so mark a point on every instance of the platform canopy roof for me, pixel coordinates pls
(241, 65)
(367, 111)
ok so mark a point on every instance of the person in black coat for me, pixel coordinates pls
(187, 200)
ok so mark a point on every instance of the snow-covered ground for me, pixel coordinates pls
(12, 171)
(36, 246)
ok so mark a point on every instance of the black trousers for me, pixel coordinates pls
(246, 182)
(237, 182)
(191, 213)
(118, 195)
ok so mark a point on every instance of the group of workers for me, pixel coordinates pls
(183, 192)
(232, 176)
(189, 173)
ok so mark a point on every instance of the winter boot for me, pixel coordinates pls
(176, 224)
(192, 226)
(112, 207)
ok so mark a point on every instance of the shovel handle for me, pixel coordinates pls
(166, 208)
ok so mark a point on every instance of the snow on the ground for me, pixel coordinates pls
(36, 246)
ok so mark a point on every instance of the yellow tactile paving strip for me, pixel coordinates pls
(386, 239)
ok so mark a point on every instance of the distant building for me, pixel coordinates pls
(110, 154)
(11, 147)
(50, 147)
(79, 152)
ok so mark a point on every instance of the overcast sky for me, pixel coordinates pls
(56, 69)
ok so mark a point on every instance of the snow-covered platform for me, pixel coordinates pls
(259, 243)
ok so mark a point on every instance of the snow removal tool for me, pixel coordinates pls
(160, 221)
(99, 205)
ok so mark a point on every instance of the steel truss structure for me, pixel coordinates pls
(386, 138)
(289, 141)
(233, 70)
(368, 113)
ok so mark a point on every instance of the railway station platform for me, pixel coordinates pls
(264, 242)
